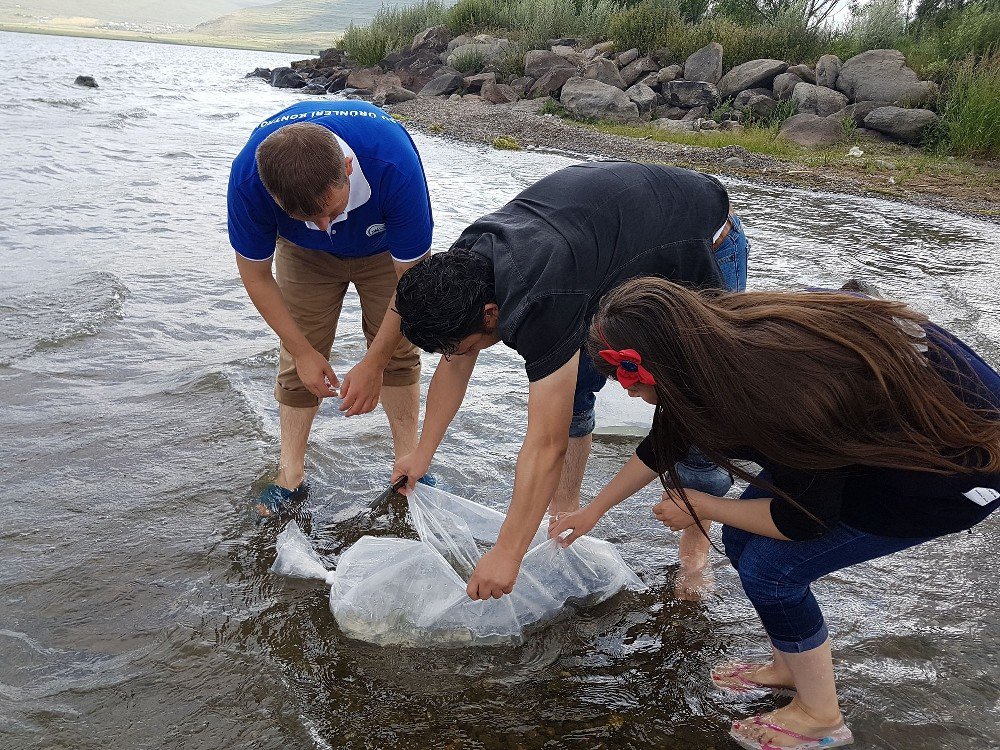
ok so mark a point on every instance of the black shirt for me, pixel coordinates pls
(570, 238)
(887, 502)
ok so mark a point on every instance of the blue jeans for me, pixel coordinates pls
(732, 257)
(776, 574)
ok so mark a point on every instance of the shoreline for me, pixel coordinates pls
(892, 174)
(179, 40)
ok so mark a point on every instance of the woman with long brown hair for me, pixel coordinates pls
(875, 429)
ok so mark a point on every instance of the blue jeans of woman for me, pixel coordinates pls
(695, 471)
(777, 574)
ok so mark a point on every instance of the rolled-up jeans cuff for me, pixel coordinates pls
(808, 644)
(582, 424)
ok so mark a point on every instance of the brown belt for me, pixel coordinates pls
(726, 229)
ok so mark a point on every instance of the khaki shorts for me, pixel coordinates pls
(313, 284)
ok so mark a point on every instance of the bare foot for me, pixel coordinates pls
(798, 726)
(693, 584)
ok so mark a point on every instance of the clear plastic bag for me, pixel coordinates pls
(412, 592)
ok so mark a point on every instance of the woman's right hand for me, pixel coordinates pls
(412, 466)
(580, 521)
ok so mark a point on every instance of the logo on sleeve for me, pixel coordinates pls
(375, 229)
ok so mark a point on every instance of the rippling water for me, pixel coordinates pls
(135, 378)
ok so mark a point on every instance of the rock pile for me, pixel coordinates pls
(874, 92)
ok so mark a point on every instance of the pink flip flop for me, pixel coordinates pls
(838, 738)
(724, 673)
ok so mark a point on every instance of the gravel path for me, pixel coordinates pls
(477, 122)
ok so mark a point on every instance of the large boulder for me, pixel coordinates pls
(473, 84)
(804, 72)
(538, 62)
(458, 41)
(550, 83)
(364, 78)
(759, 107)
(827, 71)
(587, 98)
(817, 100)
(337, 81)
(417, 69)
(286, 78)
(669, 73)
(705, 64)
(392, 95)
(435, 38)
(784, 85)
(749, 75)
(691, 94)
(637, 69)
(696, 113)
(448, 83)
(744, 97)
(905, 124)
(521, 84)
(882, 74)
(858, 112)
(569, 54)
(627, 57)
(603, 70)
(498, 93)
(601, 48)
(812, 130)
(644, 98)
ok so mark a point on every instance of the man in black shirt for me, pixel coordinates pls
(531, 275)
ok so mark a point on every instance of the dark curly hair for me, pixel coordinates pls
(441, 299)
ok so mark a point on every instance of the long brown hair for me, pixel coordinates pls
(811, 380)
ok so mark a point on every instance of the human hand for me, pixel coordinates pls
(672, 512)
(494, 575)
(316, 374)
(361, 388)
(580, 521)
(413, 466)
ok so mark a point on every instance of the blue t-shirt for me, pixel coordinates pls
(389, 206)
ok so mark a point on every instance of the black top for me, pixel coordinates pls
(567, 240)
(888, 502)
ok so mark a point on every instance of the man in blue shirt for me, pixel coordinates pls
(332, 194)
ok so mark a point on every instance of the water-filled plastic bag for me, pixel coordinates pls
(412, 592)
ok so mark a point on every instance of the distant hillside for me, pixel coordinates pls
(287, 25)
(304, 20)
(182, 14)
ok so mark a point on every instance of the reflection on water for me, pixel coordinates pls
(135, 379)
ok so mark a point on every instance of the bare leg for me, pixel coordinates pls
(567, 497)
(815, 709)
(694, 579)
(402, 407)
(295, 426)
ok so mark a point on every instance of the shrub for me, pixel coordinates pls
(391, 30)
(469, 61)
(970, 108)
(367, 44)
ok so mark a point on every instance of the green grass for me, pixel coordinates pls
(970, 109)
(506, 143)
(469, 61)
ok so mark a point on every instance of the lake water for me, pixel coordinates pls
(136, 419)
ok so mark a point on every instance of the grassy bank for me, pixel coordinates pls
(953, 42)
